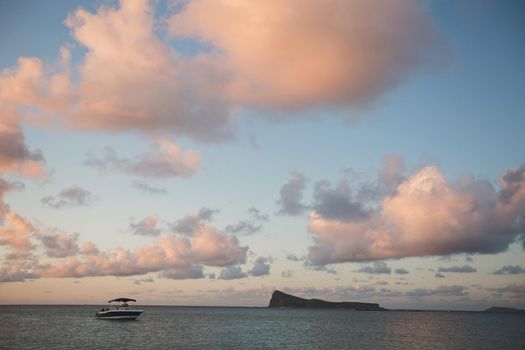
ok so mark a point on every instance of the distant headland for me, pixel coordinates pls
(504, 310)
(281, 299)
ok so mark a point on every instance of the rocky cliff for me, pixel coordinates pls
(280, 299)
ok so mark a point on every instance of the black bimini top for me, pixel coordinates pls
(122, 300)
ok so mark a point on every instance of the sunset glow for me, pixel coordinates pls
(208, 152)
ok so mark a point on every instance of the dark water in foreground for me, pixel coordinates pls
(74, 327)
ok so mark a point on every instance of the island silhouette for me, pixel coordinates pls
(283, 300)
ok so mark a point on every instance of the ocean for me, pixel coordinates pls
(172, 327)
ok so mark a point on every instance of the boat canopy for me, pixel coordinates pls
(122, 300)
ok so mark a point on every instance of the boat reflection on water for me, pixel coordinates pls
(119, 312)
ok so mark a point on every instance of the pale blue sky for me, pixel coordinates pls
(465, 117)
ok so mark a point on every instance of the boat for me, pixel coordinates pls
(119, 312)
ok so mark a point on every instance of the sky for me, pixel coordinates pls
(208, 152)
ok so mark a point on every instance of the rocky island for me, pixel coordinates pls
(280, 299)
(504, 310)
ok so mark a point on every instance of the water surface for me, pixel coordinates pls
(75, 327)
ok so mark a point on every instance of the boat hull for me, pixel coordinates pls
(118, 314)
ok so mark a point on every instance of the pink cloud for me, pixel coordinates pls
(129, 79)
(30, 85)
(303, 53)
(148, 226)
(214, 248)
(271, 54)
(18, 266)
(5, 187)
(174, 256)
(163, 159)
(426, 215)
(193, 223)
(16, 232)
(15, 157)
(178, 257)
(89, 248)
(60, 245)
(168, 252)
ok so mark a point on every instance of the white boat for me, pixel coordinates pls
(119, 312)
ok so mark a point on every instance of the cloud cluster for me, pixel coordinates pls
(148, 226)
(377, 267)
(145, 187)
(258, 215)
(287, 273)
(16, 233)
(291, 196)
(307, 264)
(337, 203)
(441, 291)
(15, 230)
(345, 292)
(194, 222)
(60, 245)
(12, 273)
(69, 197)
(163, 159)
(207, 247)
(293, 257)
(232, 273)
(261, 267)
(122, 52)
(15, 157)
(273, 54)
(509, 270)
(188, 272)
(458, 269)
(89, 248)
(425, 215)
(5, 187)
(143, 280)
(512, 290)
(173, 256)
(129, 76)
(249, 226)
(244, 227)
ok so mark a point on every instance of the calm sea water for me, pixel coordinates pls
(75, 327)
